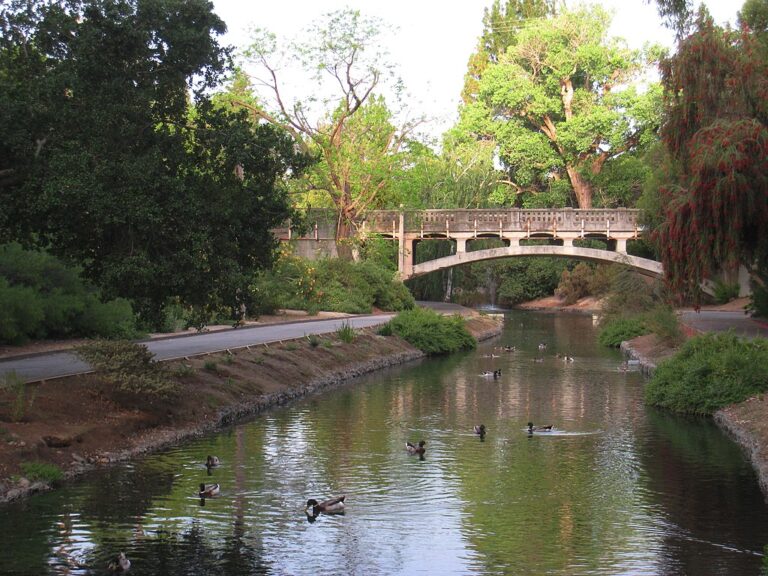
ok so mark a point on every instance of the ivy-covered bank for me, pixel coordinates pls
(68, 426)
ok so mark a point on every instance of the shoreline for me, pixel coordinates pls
(744, 422)
(373, 353)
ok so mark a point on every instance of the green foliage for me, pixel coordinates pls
(42, 297)
(616, 331)
(42, 472)
(211, 366)
(346, 333)
(714, 204)
(432, 333)
(710, 372)
(129, 367)
(313, 339)
(585, 280)
(725, 291)
(529, 278)
(631, 294)
(663, 322)
(22, 397)
(385, 330)
(113, 156)
(559, 104)
(330, 284)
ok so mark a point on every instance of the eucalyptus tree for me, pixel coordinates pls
(112, 155)
(560, 106)
(336, 110)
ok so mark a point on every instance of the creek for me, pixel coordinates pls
(616, 488)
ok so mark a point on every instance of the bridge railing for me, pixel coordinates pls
(322, 222)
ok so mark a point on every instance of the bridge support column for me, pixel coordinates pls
(567, 242)
(621, 245)
(402, 249)
(461, 245)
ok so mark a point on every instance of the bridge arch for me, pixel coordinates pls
(642, 265)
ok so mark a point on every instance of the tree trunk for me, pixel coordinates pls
(581, 188)
(345, 232)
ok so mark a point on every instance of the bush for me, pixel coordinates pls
(346, 333)
(616, 331)
(724, 292)
(42, 297)
(128, 366)
(42, 471)
(432, 333)
(21, 313)
(663, 322)
(710, 372)
(23, 398)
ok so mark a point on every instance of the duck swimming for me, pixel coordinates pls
(331, 506)
(416, 450)
(532, 428)
(208, 490)
(480, 431)
(120, 564)
(212, 461)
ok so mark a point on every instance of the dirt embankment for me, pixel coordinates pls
(79, 423)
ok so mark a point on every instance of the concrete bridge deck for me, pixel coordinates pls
(560, 227)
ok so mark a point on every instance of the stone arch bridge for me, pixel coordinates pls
(514, 227)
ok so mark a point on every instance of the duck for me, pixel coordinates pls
(567, 358)
(497, 374)
(209, 490)
(120, 564)
(532, 428)
(488, 374)
(414, 450)
(480, 431)
(542, 346)
(331, 506)
(212, 461)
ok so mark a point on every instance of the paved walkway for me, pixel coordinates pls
(717, 321)
(58, 364)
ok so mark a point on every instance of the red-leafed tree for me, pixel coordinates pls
(715, 208)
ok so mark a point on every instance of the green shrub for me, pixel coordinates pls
(663, 322)
(22, 397)
(21, 313)
(42, 297)
(385, 330)
(211, 366)
(346, 333)
(114, 320)
(614, 332)
(432, 333)
(42, 471)
(710, 371)
(724, 292)
(313, 339)
(128, 366)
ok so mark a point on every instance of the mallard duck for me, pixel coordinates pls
(480, 431)
(532, 428)
(332, 506)
(208, 490)
(212, 461)
(120, 564)
(413, 449)
(542, 346)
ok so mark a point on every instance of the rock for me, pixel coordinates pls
(57, 441)
(24, 483)
(77, 458)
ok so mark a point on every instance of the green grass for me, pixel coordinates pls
(42, 471)
(211, 366)
(620, 329)
(710, 372)
(346, 333)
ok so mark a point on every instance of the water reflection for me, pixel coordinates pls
(614, 489)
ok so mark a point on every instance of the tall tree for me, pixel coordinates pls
(558, 103)
(715, 203)
(343, 122)
(105, 162)
(501, 23)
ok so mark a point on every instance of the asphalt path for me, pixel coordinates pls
(722, 321)
(58, 364)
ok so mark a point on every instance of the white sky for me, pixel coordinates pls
(434, 38)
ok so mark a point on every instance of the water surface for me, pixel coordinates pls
(616, 489)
